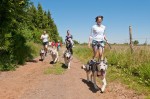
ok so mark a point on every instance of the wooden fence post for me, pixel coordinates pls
(131, 43)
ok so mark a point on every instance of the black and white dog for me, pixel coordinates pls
(67, 58)
(55, 55)
(42, 54)
(96, 69)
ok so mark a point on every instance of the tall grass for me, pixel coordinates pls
(123, 62)
(135, 64)
(83, 53)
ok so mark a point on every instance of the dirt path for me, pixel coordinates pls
(30, 82)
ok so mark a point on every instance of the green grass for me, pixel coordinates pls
(83, 53)
(148, 97)
(35, 49)
(131, 69)
(56, 69)
(131, 82)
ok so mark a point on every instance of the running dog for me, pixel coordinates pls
(42, 54)
(96, 69)
(49, 49)
(54, 54)
(67, 58)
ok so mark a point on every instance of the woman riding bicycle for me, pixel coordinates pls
(97, 36)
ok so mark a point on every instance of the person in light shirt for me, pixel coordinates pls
(97, 38)
(44, 38)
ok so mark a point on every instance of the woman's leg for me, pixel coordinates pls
(101, 52)
(45, 48)
(70, 48)
(71, 51)
(94, 52)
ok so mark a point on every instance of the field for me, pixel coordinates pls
(132, 69)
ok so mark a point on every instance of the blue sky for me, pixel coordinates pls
(79, 15)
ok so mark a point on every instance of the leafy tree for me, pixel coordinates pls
(12, 18)
(22, 22)
(45, 21)
(32, 17)
(76, 42)
(136, 42)
(40, 16)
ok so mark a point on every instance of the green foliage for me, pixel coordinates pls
(22, 22)
(34, 50)
(6, 60)
(143, 72)
(83, 53)
(130, 69)
(40, 16)
(75, 42)
(136, 42)
(19, 49)
(136, 64)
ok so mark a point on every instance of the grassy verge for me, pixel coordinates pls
(130, 69)
(56, 69)
(131, 82)
(35, 49)
(9, 61)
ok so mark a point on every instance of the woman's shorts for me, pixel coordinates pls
(45, 43)
(97, 44)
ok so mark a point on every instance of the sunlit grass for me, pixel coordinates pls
(132, 69)
(56, 69)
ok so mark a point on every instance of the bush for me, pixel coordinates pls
(5, 60)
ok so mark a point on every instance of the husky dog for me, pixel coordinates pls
(42, 54)
(67, 58)
(49, 49)
(96, 69)
(54, 54)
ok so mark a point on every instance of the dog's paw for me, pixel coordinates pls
(88, 80)
(55, 62)
(101, 91)
(95, 86)
(69, 67)
(83, 67)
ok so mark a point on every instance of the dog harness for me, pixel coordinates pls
(97, 44)
(94, 66)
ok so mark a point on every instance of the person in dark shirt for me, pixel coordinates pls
(69, 42)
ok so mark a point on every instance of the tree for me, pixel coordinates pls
(75, 42)
(22, 22)
(32, 17)
(136, 42)
(12, 19)
(49, 18)
(40, 16)
(45, 21)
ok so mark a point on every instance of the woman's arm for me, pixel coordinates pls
(105, 38)
(90, 38)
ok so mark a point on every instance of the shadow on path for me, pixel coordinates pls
(90, 85)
